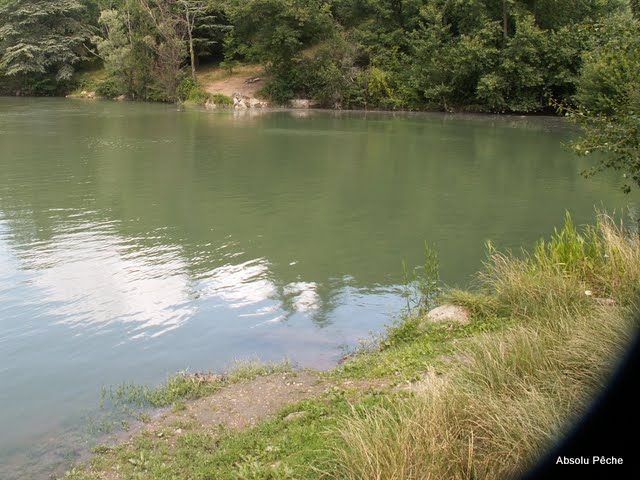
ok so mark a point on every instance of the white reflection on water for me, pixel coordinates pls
(91, 276)
(89, 279)
(239, 285)
(305, 297)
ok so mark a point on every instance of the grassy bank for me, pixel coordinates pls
(482, 400)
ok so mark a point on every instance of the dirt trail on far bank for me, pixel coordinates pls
(217, 80)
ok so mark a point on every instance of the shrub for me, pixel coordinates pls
(221, 100)
(109, 88)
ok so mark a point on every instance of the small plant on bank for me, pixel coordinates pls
(188, 90)
(221, 100)
(422, 286)
(177, 388)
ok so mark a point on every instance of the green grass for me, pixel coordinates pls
(518, 390)
(184, 386)
(412, 346)
(177, 388)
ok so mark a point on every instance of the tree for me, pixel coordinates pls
(609, 100)
(123, 50)
(194, 11)
(42, 37)
(167, 42)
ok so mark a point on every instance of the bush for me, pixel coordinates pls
(109, 88)
(221, 100)
(190, 91)
(183, 90)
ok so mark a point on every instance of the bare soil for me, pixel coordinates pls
(239, 405)
(218, 80)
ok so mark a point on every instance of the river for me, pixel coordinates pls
(137, 240)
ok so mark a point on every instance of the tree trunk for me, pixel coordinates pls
(192, 53)
(505, 19)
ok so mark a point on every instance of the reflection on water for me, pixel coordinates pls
(137, 240)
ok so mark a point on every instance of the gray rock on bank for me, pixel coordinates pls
(449, 313)
(241, 102)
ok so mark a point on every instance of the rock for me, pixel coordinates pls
(300, 103)
(255, 103)
(449, 313)
(239, 101)
(120, 98)
(294, 416)
(209, 105)
(252, 80)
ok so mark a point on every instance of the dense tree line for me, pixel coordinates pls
(473, 55)
(487, 55)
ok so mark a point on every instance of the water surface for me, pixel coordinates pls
(137, 240)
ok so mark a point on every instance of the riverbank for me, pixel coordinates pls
(489, 395)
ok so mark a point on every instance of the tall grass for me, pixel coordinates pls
(496, 413)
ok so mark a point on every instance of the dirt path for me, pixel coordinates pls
(238, 405)
(217, 80)
(242, 404)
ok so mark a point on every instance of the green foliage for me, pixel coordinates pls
(177, 388)
(609, 100)
(221, 100)
(423, 287)
(126, 56)
(188, 90)
(570, 252)
(109, 88)
(42, 39)
(499, 56)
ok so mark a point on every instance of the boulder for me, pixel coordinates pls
(449, 313)
(239, 102)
